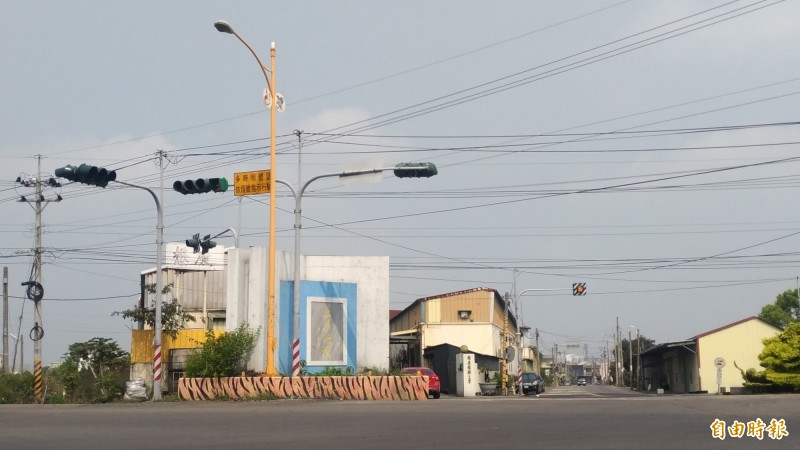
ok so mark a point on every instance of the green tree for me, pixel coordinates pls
(173, 316)
(93, 371)
(781, 357)
(784, 311)
(225, 355)
(631, 374)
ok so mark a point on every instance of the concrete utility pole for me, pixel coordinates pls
(5, 319)
(37, 306)
(555, 364)
(296, 299)
(639, 378)
(504, 361)
(35, 291)
(538, 360)
(630, 356)
(618, 356)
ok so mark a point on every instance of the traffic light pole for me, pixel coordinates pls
(516, 311)
(298, 198)
(159, 288)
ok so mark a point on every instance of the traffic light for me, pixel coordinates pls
(207, 244)
(415, 170)
(194, 242)
(578, 288)
(86, 174)
(201, 185)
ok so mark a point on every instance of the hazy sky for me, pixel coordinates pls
(646, 148)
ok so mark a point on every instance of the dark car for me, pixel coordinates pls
(434, 385)
(531, 383)
(581, 381)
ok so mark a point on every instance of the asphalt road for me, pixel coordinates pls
(572, 417)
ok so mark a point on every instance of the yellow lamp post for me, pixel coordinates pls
(271, 94)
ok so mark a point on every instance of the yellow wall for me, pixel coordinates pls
(142, 343)
(478, 337)
(740, 343)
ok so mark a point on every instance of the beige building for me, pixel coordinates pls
(431, 330)
(692, 365)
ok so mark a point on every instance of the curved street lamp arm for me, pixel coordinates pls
(264, 70)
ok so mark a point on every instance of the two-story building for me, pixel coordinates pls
(432, 330)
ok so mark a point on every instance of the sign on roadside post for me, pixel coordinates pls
(719, 363)
(251, 183)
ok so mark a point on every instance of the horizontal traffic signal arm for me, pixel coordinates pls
(201, 185)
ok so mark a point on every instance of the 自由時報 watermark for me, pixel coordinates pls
(776, 429)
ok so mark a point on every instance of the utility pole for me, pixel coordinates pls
(639, 378)
(35, 291)
(519, 343)
(504, 361)
(157, 319)
(555, 363)
(618, 356)
(296, 300)
(5, 319)
(37, 305)
(630, 356)
(538, 360)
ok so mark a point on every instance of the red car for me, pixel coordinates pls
(434, 385)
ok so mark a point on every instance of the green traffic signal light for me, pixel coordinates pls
(415, 170)
(67, 172)
(207, 245)
(194, 243)
(200, 185)
(86, 174)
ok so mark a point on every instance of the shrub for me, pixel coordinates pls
(222, 356)
(16, 387)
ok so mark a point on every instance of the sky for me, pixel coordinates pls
(646, 148)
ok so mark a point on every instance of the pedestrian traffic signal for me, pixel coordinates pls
(578, 288)
(194, 243)
(86, 174)
(201, 185)
(415, 170)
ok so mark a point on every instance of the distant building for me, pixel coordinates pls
(431, 330)
(688, 365)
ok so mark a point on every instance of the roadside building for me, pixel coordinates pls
(343, 304)
(430, 331)
(689, 365)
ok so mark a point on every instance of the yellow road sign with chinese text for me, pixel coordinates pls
(251, 183)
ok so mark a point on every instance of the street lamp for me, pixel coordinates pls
(516, 312)
(403, 170)
(224, 27)
(159, 289)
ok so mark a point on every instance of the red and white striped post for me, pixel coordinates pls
(296, 358)
(157, 365)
